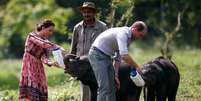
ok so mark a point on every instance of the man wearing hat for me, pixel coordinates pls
(84, 33)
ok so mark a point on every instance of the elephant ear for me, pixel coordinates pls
(76, 66)
(150, 73)
(68, 58)
(84, 58)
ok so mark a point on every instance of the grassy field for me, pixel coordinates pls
(63, 88)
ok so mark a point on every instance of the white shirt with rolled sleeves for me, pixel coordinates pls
(114, 40)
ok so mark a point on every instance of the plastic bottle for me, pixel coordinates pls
(136, 78)
(58, 57)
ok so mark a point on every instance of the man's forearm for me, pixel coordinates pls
(116, 65)
(127, 58)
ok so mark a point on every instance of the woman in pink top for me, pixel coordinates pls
(33, 84)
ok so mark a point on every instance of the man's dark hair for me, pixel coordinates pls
(140, 26)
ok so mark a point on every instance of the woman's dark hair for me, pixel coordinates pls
(45, 23)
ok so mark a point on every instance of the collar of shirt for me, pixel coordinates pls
(129, 32)
(130, 36)
(90, 23)
(94, 25)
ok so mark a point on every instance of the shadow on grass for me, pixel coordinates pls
(9, 82)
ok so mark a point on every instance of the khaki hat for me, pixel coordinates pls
(88, 5)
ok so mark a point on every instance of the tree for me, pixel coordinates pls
(121, 12)
(21, 17)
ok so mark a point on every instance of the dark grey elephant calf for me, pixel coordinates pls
(161, 77)
(162, 80)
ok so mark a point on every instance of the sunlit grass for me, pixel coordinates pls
(189, 64)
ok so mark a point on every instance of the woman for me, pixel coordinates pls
(33, 84)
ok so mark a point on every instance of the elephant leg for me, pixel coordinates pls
(161, 92)
(93, 90)
(150, 93)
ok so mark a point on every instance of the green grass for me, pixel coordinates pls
(189, 63)
(62, 88)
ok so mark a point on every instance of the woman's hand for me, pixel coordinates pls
(51, 63)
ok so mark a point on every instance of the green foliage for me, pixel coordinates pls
(9, 95)
(120, 14)
(21, 17)
(161, 16)
(69, 92)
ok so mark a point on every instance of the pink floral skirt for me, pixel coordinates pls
(33, 84)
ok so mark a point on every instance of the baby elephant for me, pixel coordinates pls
(80, 68)
(162, 80)
(161, 77)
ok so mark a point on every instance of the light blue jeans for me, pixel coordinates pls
(104, 73)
